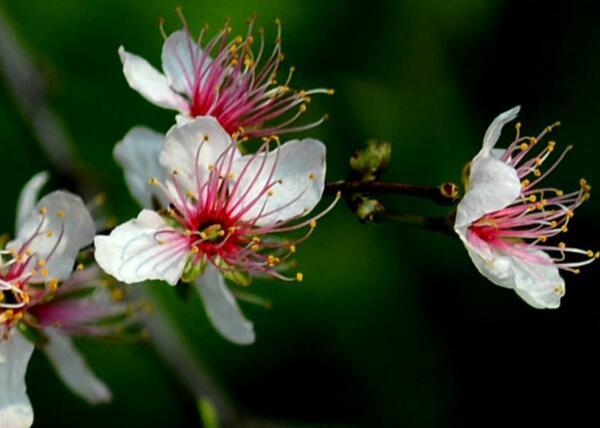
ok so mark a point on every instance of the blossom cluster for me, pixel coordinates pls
(223, 200)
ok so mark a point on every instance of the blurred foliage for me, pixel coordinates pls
(392, 326)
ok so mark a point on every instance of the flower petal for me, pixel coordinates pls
(50, 242)
(538, 283)
(72, 369)
(142, 249)
(493, 132)
(491, 264)
(15, 408)
(222, 308)
(183, 141)
(138, 154)
(300, 167)
(150, 83)
(493, 186)
(181, 57)
(29, 197)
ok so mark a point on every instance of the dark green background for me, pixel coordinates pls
(392, 326)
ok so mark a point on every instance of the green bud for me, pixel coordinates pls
(368, 209)
(371, 160)
(238, 277)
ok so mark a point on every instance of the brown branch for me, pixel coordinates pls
(445, 194)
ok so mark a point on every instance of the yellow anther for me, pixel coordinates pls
(50, 233)
(18, 316)
(313, 224)
(537, 172)
(270, 193)
(153, 181)
(525, 183)
(60, 214)
(117, 294)
(100, 199)
(299, 276)
(281, 57)
(238, 39)
(330, 91)
(189, 194)
(44, 272)
(255, 247)
(203, 235)
(221, 233)
(302, 108)
(569, 213)
(175, 172)
(533, 140)
(188, 233)
(232, 229)
(559, 193)
(292, 248)
(564, 229)
(532, 198)
(553, 224)
(195, 250)
(80, 267)
(539, 161)
(255, 239)
(205, 138)
(26, 298)
(43, 211)
(543, 238)
(562, 245)
(211, 167)
(311, 176)
(576, 271)
(41, 262)
(518, 126)
(8, 314)
(231, 176)
(524, 146)
(590, 253)
(584, 185)
(560, 290)
(597, 255)
(248, 62)
(52, 285)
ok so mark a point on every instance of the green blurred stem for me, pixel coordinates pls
(441, 195)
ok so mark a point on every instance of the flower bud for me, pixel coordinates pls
(368, 209)
(371, 160)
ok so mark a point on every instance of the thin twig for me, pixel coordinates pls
(445, 194)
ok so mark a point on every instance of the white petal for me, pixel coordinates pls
(150, 83)
(493, 186)
(138, 154)
(539, 284)
(299, 164)
(15, 408)
(493, 132)
(222, 309)
(72, 369)
(132, 252)
(181, 149)
(181, 58)
(59, 250)
(491, 264)
(29, 197)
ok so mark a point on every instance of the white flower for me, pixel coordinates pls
(50, 234)
(222, 216)
(504, 220)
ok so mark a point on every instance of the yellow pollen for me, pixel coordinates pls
(518, 126)
(543, 238)
(153, 181)
(330, 91)
(534, 141)
(537, 172)
(569, 213)
(281, 57)
(60, 214)
(577, 271)
(41, 262)
(188, 233)
(211, 168)
(8, 314)
(80, 267)
(195, 250)
(524, 146)
(292, 248)
(313, 224)
(100, 199)
(311, 176)
(255, 247)
(238, 39)
(562, 245)
(189, 194)
(532, 198)
(299, 276)
(564, 229)
(539, 161)
(53, 285)
(270, 193)
(221, 233)
(49, 233)
(203, 235)
(597, 255)
(117, 295)
(525, 183)
(553, 224)
(18, 316)
(302, 108)
(232, 229)
(590, 253)
(25, 298)
(256, 239)
(231, 176)
(43, 211)
(44, 272)
(559, 193)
